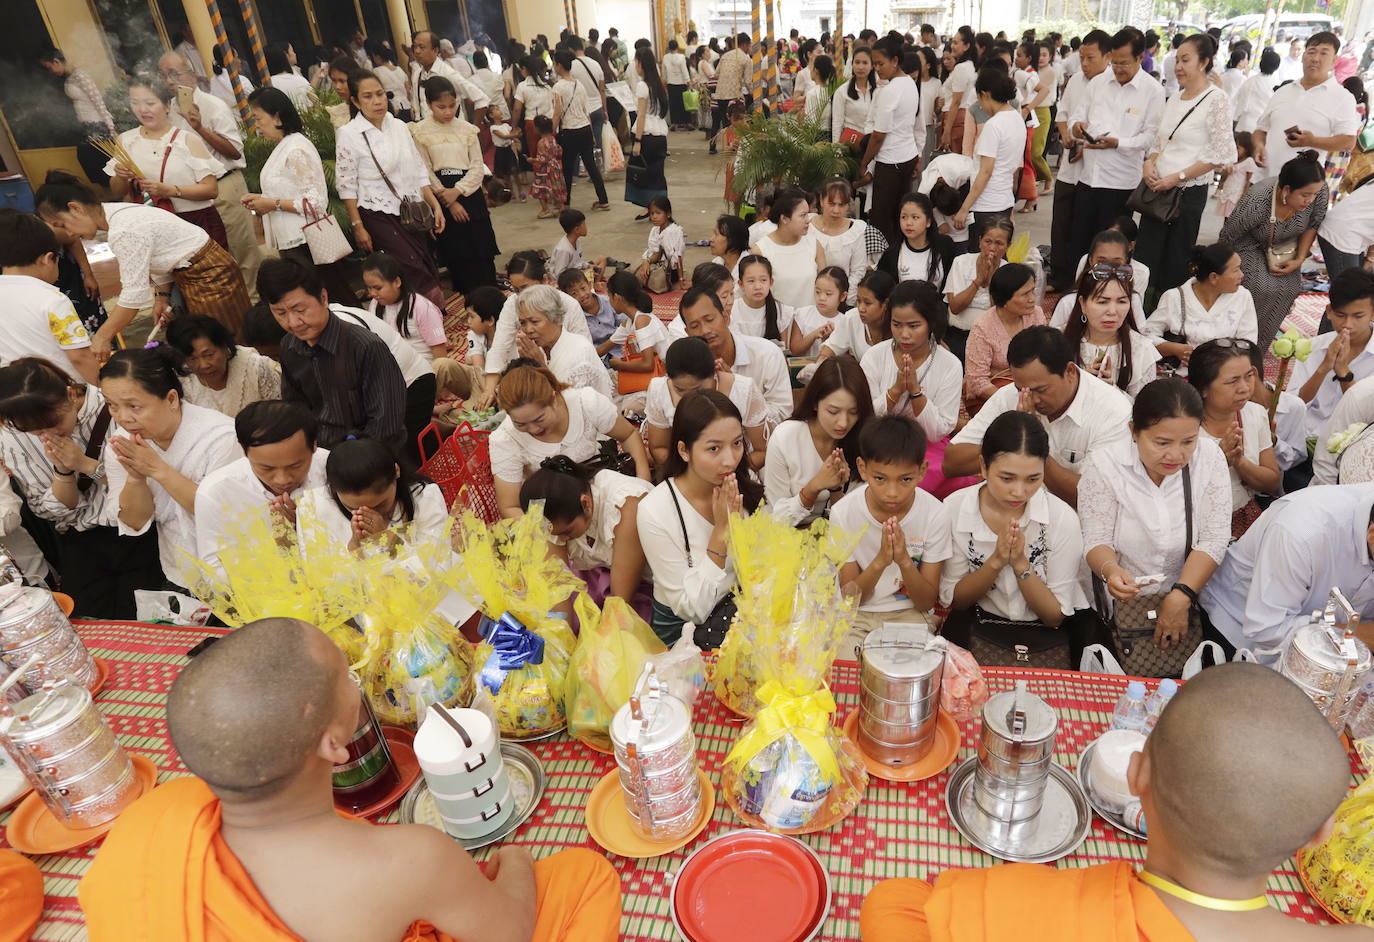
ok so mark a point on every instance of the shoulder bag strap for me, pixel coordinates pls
(95, 444)
(1187, 513)
(686, 541)
(166, 155)
(385, 178)
(1190, 112)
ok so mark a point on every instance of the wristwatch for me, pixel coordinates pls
(1186, 590)
(1182, 177)
(1023, 576)
(1347, 378)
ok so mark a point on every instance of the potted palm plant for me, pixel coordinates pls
(788, 150)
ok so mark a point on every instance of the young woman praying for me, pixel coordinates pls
(690, 366)
(1103, 330)
(811, 455)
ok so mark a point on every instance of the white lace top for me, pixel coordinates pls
(596, 548)
(293, 171)
(252, 377)
(1119, 506)
(187, 161)
(356, 176)
(1180, 311)
(1205, 136)
(148, 243)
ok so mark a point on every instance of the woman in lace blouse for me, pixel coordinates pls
(1132, 502)
(1193, 141)
(293, 189)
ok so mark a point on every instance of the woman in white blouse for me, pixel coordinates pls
(1133, 502)
(851, 107)
(1101, 326)
(684, 520)
(1212, 303)
(294, 193)
(394, 79)
(690, 366)
(224, 377)
(545, 418)
(1194, 141)
(533, 98)
(569, 356)
(175, 170)
(366, 495)
(841, 237)
(285, 80)
(1018, 549)
(593, 522)
(165, 448)
(966, 285)
(1223, 372)
(809, 455)
(795, 256)
(377, 167)
(572, 120)
(677, 77)
(912, 373)
(153, 249)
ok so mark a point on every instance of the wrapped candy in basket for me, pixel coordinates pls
(612, 649)
(771, 560)
(509, 574)
(792, 771)
(1339, 873)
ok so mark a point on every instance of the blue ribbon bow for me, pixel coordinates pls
(514, 646)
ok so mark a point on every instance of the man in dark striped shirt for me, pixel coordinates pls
(342, 373)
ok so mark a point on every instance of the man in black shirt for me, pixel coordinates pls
(342, 373)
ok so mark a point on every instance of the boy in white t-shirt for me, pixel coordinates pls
(40, 320)
(895, 569)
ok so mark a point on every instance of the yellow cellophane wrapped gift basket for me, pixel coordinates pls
(1339, 873)
(613, 645)
(792, 771)
(509, 573)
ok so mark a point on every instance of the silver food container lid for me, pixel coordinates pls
(668, 724)
(1037, 722)
(20, 602)
(1324, 645)
(903, 652)
(43, 714)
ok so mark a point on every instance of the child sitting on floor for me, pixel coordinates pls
(661, 265)
(567, 253)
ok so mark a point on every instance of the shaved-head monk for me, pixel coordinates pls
(252, 848)
(1240, 772)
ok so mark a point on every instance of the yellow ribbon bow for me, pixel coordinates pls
(806, 717)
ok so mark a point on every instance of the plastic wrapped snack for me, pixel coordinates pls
(523, 659)
(610, 654)
(791, 771)
(430, 663)
(682, 669)
(963, 691)
(1339, 872)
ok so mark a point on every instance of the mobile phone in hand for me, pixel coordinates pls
(186, 98)
(1089, 138)
(1292, 132)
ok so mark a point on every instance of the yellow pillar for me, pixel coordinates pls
(199, 18)
(399, 17)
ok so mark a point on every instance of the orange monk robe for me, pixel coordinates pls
(21, 897)
(1025, 902)
(166, 873)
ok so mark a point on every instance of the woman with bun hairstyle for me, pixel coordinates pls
(544, 418)
(1281, 216)
(1212, 303)
(593, 520)
(684, 520)
(164, 448)
(50, 425)
(153, 249)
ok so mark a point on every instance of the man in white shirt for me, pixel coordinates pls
(1317, 109)
(1284, 567)
(40, 321)
(593, 81)
(891, 156)
(280, 463)
(1079, 411)
(759, 359)
(1341, 356)
(1167, 68)
(1117, 121)
(426, 64)
(188, 50)
(1291, 68)
(218, 127)
(1091, 62)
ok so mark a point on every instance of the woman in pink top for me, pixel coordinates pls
(1012, 292)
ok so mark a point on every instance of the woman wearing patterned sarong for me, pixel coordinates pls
(154, 249)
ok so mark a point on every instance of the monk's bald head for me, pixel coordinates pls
(249, 711)
(1243, 770)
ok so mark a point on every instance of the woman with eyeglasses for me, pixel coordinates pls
(1212, 303)
(1223, 372)
(1102, 327)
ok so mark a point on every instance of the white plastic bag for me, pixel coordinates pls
(1097, 659)
(170, 608)
(681, 668)
(1195, 660)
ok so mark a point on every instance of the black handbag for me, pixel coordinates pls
(1161, 205)
(995, 641)
(637, 172)
(710, 633)
(609, 458)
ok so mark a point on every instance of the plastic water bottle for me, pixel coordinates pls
(1134, 817)
(1130, 709)
(1157, 701)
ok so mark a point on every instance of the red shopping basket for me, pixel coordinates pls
(461, 466)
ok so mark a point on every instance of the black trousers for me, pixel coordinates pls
(420, 397)
(1094, 208)
(677, 111)
(890, 184)
(578, 142)
(1165, 246)
(1061, 236)
(101, 569)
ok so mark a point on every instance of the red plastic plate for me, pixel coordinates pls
(750, 885)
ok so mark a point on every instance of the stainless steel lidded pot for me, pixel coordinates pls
(68, 753)
(1327, 661)
(1015, 750)
(656, 753)
(900, 669)
(32, 623)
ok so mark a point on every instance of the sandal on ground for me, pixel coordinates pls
(603, 207)
(545, 214)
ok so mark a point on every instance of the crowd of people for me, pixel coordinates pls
(1030, 478)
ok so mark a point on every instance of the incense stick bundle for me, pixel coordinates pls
(113, 149)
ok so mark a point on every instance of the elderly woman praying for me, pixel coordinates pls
(541, 337)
